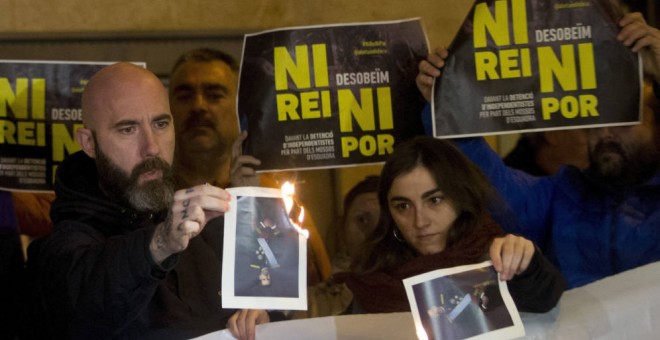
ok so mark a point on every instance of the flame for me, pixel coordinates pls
(288, 191)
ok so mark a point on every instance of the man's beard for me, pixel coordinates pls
(611, 164)
(151, 196)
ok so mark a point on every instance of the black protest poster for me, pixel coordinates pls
(525, 65)
(39, 112)
(330, 96)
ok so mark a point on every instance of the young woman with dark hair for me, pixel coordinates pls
(434, 214)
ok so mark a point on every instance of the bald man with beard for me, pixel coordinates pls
(130, 257)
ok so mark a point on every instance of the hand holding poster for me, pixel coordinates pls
(328, 96)
(463, 302)
(521, 65)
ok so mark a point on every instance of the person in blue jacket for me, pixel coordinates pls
(605, 219)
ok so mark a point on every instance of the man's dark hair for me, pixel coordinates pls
(206, 55)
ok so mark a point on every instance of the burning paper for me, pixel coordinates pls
(265, 251)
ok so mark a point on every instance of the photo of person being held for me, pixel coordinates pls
(266, 260)
(434, 214)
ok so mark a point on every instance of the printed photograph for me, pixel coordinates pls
(463, 304)
(266, 249)
(264, 254)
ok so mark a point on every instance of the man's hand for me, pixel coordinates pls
(242, 166)
(429, 69)
(643, 38)
(191, 209)
(243, 323)
(511, 255)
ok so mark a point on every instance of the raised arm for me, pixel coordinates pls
(242, 166)
(429, 69)
(643, 38)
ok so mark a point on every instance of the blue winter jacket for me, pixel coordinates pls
(588, 229)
